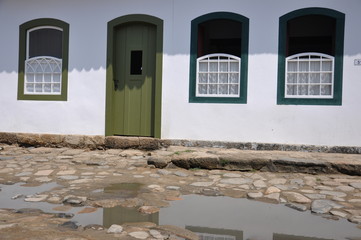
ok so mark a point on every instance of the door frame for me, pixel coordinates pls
(109, 104)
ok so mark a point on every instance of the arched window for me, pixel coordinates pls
(219, 55)
(310, 57)
(43, 60)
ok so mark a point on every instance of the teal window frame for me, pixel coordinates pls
(244, 58)
(23, 29)
(338, 67)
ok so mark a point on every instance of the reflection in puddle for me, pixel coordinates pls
(121, 215)
(212, 218)
(123, 190)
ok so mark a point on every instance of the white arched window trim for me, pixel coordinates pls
(218, 75)
(309, 75)
(43, 74)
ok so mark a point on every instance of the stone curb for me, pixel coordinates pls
(80, 141)
(264, 163)
(101, 142)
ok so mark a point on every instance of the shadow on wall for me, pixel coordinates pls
(88, 24)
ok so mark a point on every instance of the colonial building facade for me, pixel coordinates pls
(279, 71)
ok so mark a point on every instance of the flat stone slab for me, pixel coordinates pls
(236, 181)
(324, 206)
(43, 172)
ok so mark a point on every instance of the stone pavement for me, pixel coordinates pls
(323, 183)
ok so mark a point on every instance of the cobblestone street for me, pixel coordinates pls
(80, 173)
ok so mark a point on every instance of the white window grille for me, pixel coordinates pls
(43, 75)
(218, 75)
(309, 75)
(209, 236)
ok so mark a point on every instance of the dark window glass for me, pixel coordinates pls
(45, 42)
(219, 36)
(311, 33)
(136, 62)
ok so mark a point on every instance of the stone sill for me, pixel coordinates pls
(121, 142)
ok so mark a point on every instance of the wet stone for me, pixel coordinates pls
(320, 187)
(64, 215)
(339, 213)
(333, 193)
(259, 184)
(315, 196)
(115, 229)
(298, 207)
(43, 179)
(273, 196)
(2, 158)
(66, 172)
(236, 181)
(73, 200)
(200, 174)
(181, 174)
(68, 177)
(5, 226)
(254, 195)
(277, 181)
(296, 182)
(35, 198)
(356, 185)
(156, 234)
(71, 225)
(271, 190)
(232, 175)
(355, 219)
(163, 172)
(296, 197)
(23, 174)
(345, 188)
(43, 172)
(29, 211)
(202, 184)
(323, 206)
(139, 235)
(148, 209)
(211, 192)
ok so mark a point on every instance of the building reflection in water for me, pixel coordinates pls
(120, 215)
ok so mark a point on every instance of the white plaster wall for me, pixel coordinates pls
(84, 111)
(260, 120)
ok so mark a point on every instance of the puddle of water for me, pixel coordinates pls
(213, 218)
(20, 191)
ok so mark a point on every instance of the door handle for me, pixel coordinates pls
(116, 84)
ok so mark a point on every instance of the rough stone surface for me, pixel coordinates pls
(202, 184)
(298, 207)
(236, 181)
(122, 142)
(115, 228)
(323, 206)
(138, 184)
(271, 190)
(139, 235)
(148, 209)
(296, 197)
(254, 195)
(356, 185)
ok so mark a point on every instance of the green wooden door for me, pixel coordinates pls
(134, 76)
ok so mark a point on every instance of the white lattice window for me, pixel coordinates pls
(43, 75)
(43, 64)
(218, 75)
(309, 75)
(209, 236)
